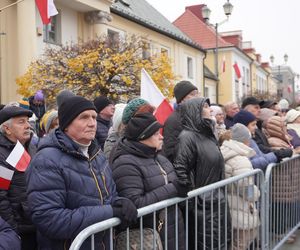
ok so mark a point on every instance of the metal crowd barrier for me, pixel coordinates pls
(283, 201)
(229, 214)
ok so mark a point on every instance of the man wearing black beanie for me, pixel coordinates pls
(70, 185)
(183, 90)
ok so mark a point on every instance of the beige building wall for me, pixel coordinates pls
(22, 41)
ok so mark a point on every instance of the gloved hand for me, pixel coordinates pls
(283, 153)
(125, 210)
(182, 190)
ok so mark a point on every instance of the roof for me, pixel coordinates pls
(209, 74)
(141, 12)
(192, 24)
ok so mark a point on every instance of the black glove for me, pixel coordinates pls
(283, 153)
(125, 210)
(182, 190)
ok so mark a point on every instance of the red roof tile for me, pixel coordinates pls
(191, 23)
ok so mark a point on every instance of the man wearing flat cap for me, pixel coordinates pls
(70, 185)
(14, 126)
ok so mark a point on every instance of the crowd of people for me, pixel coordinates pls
(94, 160)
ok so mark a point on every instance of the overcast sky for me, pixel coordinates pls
(273, 26)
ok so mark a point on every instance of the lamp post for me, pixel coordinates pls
(206, 13)
(279, 76)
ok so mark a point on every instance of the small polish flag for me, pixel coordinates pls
(19, 158)
(5, 177)
(47, 9)
(151, 93)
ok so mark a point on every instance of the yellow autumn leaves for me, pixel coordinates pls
(97, 67)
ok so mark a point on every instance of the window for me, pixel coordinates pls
(190, 71)
(113, 37)
(52, 31)
(206, 91)
(146, 53)
(165, 51)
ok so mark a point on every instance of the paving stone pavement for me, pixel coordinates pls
(295, 245)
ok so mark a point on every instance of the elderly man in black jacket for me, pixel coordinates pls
(14, 126)
(183, 91)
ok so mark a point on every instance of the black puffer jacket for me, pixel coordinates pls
(199, 162)
(172, 129)
(141, 175)
(13, 202)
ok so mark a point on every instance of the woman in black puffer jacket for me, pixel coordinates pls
(198, 162)
(144, 176)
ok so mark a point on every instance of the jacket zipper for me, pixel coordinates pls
(163, 172)
(95, 178)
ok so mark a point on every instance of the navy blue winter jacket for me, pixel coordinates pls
(68, 192)
(8, 237)
(102, 131)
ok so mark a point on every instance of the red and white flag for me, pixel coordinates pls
(151, 93)
(5, 177)
(19, 158)
(47, 9)
(223, 65)
(237, 70)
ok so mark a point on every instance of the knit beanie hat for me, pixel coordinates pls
(101, 102)
(51, 117)
(283, 104)
(141, 127)
(244, 117)
(292, 115)
(71, 108)
(39, 96)
(182, 89)
(131, 108)
(215, 110)
(24, 103)
(62, 96)
(117, 117)
(240, 132)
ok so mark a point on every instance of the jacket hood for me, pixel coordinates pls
(126, 147)
(58, 139)
(233, 148)
(191, 116)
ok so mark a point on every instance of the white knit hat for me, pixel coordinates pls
(283, 104)
(117, 117)
(216, 110)
(292, 115)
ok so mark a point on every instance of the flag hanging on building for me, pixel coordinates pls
(47, 9)
(223, 65)
(5, 177)
(19, 158)
(237, 70)
(151, 93)
(290, 88)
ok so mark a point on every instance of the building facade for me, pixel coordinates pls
(25, 37)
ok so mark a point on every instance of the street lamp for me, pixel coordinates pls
(279, 76)
(206, 13)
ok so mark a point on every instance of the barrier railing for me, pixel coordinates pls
(283, 201)
(222, 215)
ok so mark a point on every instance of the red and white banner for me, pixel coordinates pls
(47, 9)
(223, 65)
(237, 70)
(19, 158)
(5, 177)
(151, 93)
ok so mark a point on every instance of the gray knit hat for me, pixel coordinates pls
(240, 132)
(62, 96)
